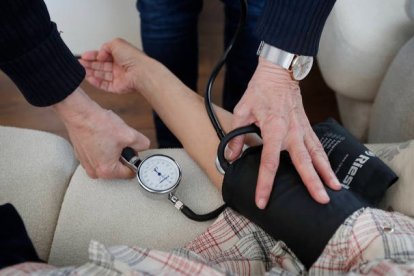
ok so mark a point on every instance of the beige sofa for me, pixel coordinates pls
(64, 209)
(358, 59)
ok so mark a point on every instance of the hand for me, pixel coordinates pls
(273, 102)
(114, 68)
(98, 136)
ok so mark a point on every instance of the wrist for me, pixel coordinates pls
(267, 69)
(150, 75)
(298, 65)
(77, 108)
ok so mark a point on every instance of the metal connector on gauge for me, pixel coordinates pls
(131, 163)
(174, 199)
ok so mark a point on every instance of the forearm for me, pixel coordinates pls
(184, 113)
(294, 25)
(33, 54)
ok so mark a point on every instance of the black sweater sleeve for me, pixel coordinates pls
(33, 54)
(294, 25)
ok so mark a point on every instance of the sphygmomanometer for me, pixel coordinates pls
(292, 215)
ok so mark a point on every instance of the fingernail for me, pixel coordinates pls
(261, 203)
(323, 195)
(337, 183)
(228, 153)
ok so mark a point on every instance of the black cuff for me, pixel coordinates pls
(294, 26)
(292, 215)
(48, 73)
(356, 167)
(15, 245)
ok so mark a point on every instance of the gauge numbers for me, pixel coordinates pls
(159, 174)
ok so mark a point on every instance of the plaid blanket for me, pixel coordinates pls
(370, 241)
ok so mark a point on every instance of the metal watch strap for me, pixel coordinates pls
(275, 55)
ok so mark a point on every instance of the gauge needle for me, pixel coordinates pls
(155, 170)
(165, 178)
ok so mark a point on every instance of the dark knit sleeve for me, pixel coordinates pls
(294, 25)
(33, 54)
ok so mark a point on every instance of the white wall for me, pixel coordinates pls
(87, 24)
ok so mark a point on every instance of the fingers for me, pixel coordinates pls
(104, 55)
(117, 169)
(234, 148)
(97, 65)
(90, 171)
(320, 161)
(101, 55)
(89, 55)
(273, 135)
(99, 74)
(108, 76)
(302, 161)
(97, 82)
(99, 143)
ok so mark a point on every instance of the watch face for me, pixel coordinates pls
(159, 174)
(301, 67)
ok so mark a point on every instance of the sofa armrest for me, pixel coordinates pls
(409, 6)
(119, 212)
(359, 41)
(399, 157)
(35, 170)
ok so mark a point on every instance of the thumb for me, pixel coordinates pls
(235, 146)
(139, 142)
(122, 171)
(117, 48)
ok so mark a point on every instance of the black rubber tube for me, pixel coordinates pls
(203, 217)
(226, 139)
(207, 99)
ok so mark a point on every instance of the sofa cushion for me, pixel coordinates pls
(35, 169)
(410, 8)
(355, 116)
(400, 157)
(392, 117)
(359, 41)
(120, 212)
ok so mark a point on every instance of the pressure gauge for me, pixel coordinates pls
(159, 174)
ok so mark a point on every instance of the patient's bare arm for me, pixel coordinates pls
(121, 68)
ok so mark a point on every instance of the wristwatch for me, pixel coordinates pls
(299, 66)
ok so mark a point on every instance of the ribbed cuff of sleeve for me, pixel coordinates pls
(294, 26)
(48, 73)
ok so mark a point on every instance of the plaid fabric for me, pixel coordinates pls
(369, 242)
(372, 242)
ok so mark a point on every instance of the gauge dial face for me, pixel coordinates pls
(159, 174)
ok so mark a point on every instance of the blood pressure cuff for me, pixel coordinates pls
(291, 214)
(356, 167)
